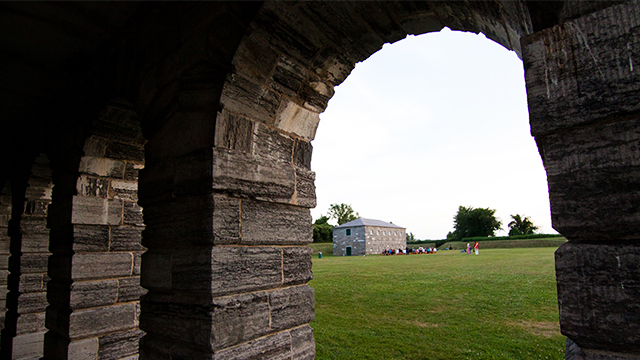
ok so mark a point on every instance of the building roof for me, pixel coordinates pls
(369, 222)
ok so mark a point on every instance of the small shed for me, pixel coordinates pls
(367, 236)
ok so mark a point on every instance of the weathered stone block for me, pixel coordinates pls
(90, 238)
(273, 347)
(35, 242)
(34, 263)
(244, 97)
(132, 213)
(124, 190)
(302, 154)
(303, 344)
(226, 220)
(129, 289)
(305, 188)
(316, 95)
(137, 260)
(598, 295)
(96, 211)
(583, 70)
(270, 144)
(287, 76)
(295, 119)
(30, 303)
(99, 166)
(87, 294)
(30, 283)
(233, 132)
(30, 323)
(241, 269)
(104, 320)
(28, 346)
(223, 322)
(239, 318)
(101, 265)
(119, 345)
(132, 171)
(269, 223)
(296, 265)
(126, 238)
(92, 186)
(292, 306)
(86, 349)
(592, 174)
(245, 175)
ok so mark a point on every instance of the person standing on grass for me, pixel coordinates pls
(468, 249)
(475, 247)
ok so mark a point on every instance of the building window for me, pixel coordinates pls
(348, 232)
(378, 232)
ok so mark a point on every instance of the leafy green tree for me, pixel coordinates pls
(342, 213)
(322, 230)
(521, 225)
(471, 222)
(410, 237)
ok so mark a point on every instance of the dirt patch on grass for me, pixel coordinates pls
(424, 325)
(538, 328)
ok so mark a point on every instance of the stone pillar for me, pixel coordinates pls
(583, 90)
(34, 255)
(96, 230)
(5, 240)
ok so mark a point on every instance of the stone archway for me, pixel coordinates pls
(229, 95)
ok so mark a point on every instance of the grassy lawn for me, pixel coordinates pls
(498, 305)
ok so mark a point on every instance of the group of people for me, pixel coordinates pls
(475, 248)
(408, 251)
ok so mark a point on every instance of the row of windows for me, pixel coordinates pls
(378, 232)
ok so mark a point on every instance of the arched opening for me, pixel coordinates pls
(425, 125)
(396, 156)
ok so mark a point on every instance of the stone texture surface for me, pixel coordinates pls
(296, 263)
(87, 266)
(583, 70)
(102, 321)
(119, 345)
(597, 293)
(268, 223)
(292, 306)
(592, 175)
(302, 343)
(277, 346)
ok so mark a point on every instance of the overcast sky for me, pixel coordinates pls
(425, 125)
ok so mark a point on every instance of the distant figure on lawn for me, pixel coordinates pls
(468, 249)
(475, 247)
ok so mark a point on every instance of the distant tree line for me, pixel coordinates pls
(470, 222)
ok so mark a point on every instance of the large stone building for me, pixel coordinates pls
(202, 113)
(367, 236)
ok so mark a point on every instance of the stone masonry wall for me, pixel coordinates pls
(5, 216)
(28, 342)
(583, 93)
(95, 280)
(384, 239)
(356, 240)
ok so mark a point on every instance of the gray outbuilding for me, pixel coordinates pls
(367, 236)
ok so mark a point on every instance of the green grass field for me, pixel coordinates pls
(498, 305)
